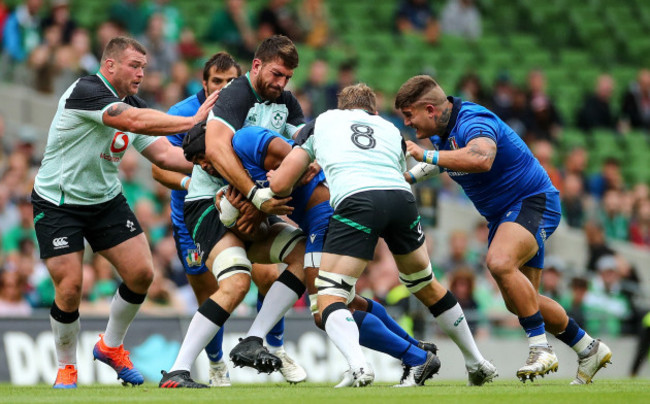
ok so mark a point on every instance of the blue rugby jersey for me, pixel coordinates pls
(515, 173)
(251, 144)
(187, 107)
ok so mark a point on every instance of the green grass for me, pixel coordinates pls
(501, 392)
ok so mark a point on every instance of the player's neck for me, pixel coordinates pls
(442, 120)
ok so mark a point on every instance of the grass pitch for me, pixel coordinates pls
(438, 392)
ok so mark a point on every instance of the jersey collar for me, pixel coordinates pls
(201, 96)
(455, 109)
(248, 77)
(108, 84)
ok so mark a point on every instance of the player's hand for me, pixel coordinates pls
(414, 150)
(309, 175)
(276, 206)
(204, 110)
(249, 219)
(235, 197)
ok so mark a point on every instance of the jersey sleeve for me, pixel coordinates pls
(306, 139)
(232, 105)
(296, 118)
(177, 139)
(479, 125)
(141, 142)
(90, 98)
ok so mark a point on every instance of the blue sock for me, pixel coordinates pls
(534, 327)
(275, 337)
(213, 349)
(380, 312)
(375, 335)
(572, 334)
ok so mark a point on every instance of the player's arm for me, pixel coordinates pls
(287, 175)
(147, 121)
(164, 155)
(170, 179)
(222, 156)
(476, 157)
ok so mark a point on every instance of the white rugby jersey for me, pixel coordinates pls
(239, 106)
(358, 152)
(80, 164)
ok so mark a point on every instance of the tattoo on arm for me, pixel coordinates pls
(483, 148)
(117, 109)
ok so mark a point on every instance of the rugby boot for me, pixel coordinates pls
(179, 379)
(66, 378)
(292, 371)
(118, 359)
(428, 346)
(218, 374)
(599, 356)
(541, 361)
(251, 352)
(484, 373)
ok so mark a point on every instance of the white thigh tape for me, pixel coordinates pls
(231, 261)
(415, 282)
(285, 242)
(336, 285)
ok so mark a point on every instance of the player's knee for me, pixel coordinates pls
(69, 293)
(235, 287)
(499, 264)
(418, 280)
(285, 242)
(339, 285)
(264, 276)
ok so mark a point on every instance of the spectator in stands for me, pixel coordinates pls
(640, 224)
(315, 88)
(9, 216)
(543, 150)
(188, 47)
(606, 306)
(458, 254)
(502, 98)
(596, 110)
(346, 76)
(461, 18)
(609, 177)
(615, 222)
(417, 17)
(461, 284)
(635, 110)
(12, 300)
(470, 88)
(60, 16)
(132, 15)
(596, 244)
(546, 123)
(42, 60)
(277, 18)
(314, 22)
(173, 19)
(232, 26)
(4, 14)
(87, 63)
(576, 163)
(551, 284)
(21, 35)
(24, 229)
(521, 118)
(574, 303)
(574, 207)
(161, 54)
(106, 31)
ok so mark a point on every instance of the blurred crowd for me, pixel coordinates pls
(44, 47)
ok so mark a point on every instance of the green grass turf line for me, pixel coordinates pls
(501, 392)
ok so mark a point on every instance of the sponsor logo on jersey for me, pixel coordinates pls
(312, 237)
(60, 242)
(120, 142)
(193, 258)
(130, 225)
(278, 118)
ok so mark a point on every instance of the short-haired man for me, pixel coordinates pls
(512, 191)
(257, 98)
(363, 159)
(77, 195)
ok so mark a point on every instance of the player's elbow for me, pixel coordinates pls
(484, 166)
(280, 188)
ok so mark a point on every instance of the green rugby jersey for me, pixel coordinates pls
(239, 106)
(80, 164)
(358, 152)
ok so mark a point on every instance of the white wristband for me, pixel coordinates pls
(260, 196)
(184, 182)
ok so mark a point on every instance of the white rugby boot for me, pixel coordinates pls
(218, 374)
(541, 361)
(292, 371)
(599, 356)
(485, 373)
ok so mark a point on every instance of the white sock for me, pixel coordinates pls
(277, 301)
(584, 345)
(65, 341)
(199, 333)
(454, 324)
(119, 320)
(343, 331)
